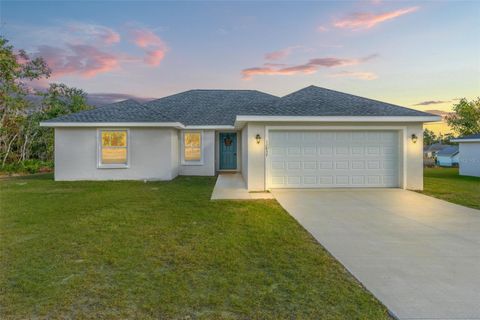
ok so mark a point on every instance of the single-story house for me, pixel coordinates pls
(311, 138)
(448, 157)
(430, 151)
(469, 154)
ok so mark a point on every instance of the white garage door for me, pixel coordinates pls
(332, 159)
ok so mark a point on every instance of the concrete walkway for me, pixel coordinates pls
(419, 255)
(230, 186)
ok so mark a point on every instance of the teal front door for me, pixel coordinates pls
(228, 150)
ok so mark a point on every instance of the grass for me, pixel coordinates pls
(446, 184)
(92, 250)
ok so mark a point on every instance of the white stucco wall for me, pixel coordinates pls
(469, 161)
(256, 157)
(411, 161)
(414, 157)
(149, 151)
(175, 153)
(208, 166)
(244, 148)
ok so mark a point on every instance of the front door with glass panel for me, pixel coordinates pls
(228, 150)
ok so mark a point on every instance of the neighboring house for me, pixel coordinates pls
(431, 150)
(469, 155)
(311, 138)
(448, 157)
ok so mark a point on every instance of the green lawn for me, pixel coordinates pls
(91, 250)
(446, 184)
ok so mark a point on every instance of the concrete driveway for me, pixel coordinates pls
(419, 255)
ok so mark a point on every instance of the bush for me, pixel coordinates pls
(28, 166)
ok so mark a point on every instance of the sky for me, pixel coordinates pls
(423, 54)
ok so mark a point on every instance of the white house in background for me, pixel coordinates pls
(469, 155)
(448, 157)
(311, 138)
(431, 150)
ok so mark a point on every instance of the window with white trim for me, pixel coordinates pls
(192, 147)
(113, 148)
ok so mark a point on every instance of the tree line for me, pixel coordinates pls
(464, 120)
(23, 143)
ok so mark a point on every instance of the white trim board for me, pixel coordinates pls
(210, 127)
(176, 125)
(465, 140)
(337, 119)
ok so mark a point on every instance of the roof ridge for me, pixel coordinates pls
(208, 90)
(357, 96)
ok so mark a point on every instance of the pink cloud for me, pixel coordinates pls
(154, 47)
(369, 20)
(250, 72)
(111, 37)
(145, 38)
(269, 64)
(95, 32)
(322, 29)
(84, 60)
(355, 75)
(154, 57)
(312, 66)
(279, 54)
(282, 53)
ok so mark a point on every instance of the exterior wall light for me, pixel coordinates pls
(414, 138)
(258, 138)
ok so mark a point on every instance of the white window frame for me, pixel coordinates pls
(101, 165)
(182, 150)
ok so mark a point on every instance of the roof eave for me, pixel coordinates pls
(466, 140)
(241, 120)
(176, 125)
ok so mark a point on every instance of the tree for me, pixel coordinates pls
(429, 137)
(58, 100)
(15, 70)
(21, 136)
(466, 119)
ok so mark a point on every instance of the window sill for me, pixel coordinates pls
(192, 163)
(113, 166)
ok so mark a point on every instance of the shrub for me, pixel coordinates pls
(28, 166)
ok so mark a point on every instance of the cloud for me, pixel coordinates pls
(280, 54)
(85, 60)
(145, 38)
(322, 29)
(155, 49)
(277, 55)
(95, 32)
(269, 64)
(312, 66)
(154, 57)
(430, 102)
(368, 20)
(76, 48)
(355, 74)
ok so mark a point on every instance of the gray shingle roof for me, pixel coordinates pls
(470, 136)
(123, 111)
(316, 101)
(220, 107)
(214, 107)
(448, 151)
(435, 147)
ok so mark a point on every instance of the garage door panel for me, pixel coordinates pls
(306, 159)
